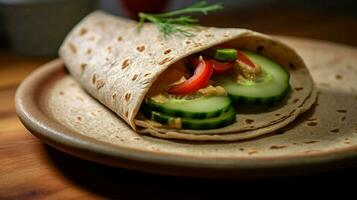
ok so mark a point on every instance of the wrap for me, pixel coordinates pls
(118, 65)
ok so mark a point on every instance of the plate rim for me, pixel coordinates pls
(67, 140)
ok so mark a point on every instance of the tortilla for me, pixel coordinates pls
(117, 65)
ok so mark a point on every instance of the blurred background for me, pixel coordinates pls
(37, 27)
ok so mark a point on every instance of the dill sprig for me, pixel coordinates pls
(178, 21)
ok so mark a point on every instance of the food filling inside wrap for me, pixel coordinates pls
(201, 91)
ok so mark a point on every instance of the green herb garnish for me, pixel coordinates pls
(176, 21)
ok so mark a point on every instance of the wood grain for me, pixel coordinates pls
(32, 170)
(25, 172)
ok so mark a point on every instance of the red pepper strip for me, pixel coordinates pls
(241, 57)
(200, 78)
(218, 67)
(221, 67)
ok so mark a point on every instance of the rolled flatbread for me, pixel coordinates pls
(118, 65)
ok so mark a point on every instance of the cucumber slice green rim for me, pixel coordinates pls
(199, 108)
(222, 120)
(272, 86)
(225, 55)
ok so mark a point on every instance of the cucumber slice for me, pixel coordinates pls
(225, 54)
(224, 119)
(270, 87)
(201, 107)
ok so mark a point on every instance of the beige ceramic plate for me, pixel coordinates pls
(51, 105)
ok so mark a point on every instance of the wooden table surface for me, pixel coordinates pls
(30, 169)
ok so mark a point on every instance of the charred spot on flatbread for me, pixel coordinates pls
(127, 96)
(140, 48)
(72, 47)
(167, 51)
(83, 66)
(165, 60)
(83, 31)
(125, 63)
(134, 77)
